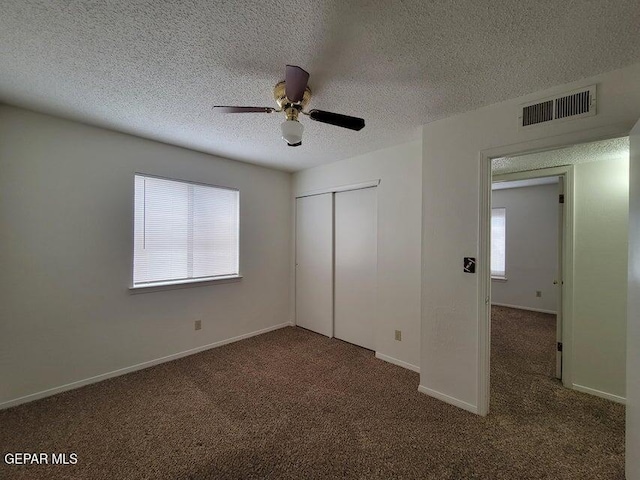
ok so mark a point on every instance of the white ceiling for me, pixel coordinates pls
(154, 69)
(585, 152)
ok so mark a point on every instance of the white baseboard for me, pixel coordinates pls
(446, 398)
(531, 309)
(598, 393)
(133, 368)
(397, 362)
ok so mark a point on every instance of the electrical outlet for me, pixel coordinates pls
(538, 293)
(198, 325)
(399, 335)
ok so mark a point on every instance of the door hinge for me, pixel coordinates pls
(559, 346)
(561, 198)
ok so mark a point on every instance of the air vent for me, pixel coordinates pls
(537, 113)
(575, 104)
(572, 105)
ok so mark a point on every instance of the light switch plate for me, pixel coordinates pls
(469, 265)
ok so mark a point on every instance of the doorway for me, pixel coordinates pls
(591, 275)
(527, 238)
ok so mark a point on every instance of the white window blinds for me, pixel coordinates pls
(498, 242)
(183, 231)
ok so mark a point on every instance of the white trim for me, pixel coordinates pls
(532, 182)
(133, 368)
(554, 172)
(182, 180)
(397, 362)
(598, 393)
(189, 282)
(531, 309)
(341, 188)
(483, 264)
(446, 398)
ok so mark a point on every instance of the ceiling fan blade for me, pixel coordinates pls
(226, 109)
(345, 121)
(295, 82)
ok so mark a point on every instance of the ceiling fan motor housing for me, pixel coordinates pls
(285, 104)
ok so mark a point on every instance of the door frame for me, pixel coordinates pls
(565, 250)
(340, 188)
(484, 231)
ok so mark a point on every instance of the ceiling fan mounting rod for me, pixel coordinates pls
(292, 111)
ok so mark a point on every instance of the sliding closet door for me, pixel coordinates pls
(355, 266)
(314, 263)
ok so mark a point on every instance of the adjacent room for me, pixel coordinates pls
(319, 240)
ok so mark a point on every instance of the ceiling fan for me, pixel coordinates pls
(292, 96)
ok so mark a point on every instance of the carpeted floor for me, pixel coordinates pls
(293, 404)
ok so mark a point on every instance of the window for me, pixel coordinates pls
(184, 232)
(498, 242)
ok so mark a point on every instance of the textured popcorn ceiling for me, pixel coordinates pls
(155, 68)
(582, 153)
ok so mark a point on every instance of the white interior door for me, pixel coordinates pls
(314, 263)
(356, 256)
(559, 277)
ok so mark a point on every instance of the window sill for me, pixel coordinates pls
(498, 279)
(200, 282)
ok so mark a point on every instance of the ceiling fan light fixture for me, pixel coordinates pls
(292, 131)
(292, 96)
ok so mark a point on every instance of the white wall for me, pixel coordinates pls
(633, 313)
(600, 276)
(399, 204)
(451, 314)
(532, 247)
(66, 216)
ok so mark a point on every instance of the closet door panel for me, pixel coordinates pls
(314, 263)
(355, 266)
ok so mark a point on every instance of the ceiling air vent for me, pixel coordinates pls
(575, 104)
(537, 113)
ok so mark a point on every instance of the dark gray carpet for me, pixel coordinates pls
(293, 404)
